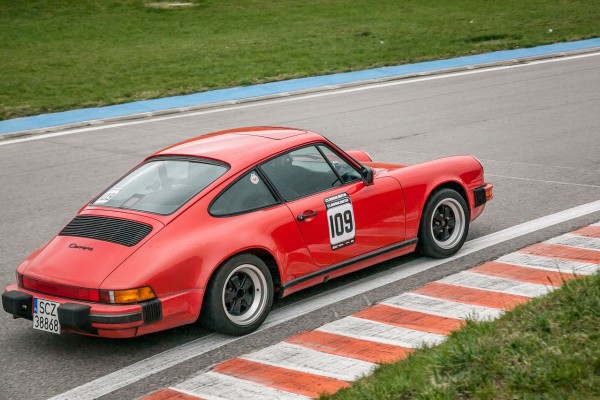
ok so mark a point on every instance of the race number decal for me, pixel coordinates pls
(340, 218)
(108, 195)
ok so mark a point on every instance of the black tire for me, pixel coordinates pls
(238, 297)
(444, 224)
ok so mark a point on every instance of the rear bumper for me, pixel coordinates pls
(79, 317)
(111, 320)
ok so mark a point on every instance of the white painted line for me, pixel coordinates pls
(299, 358)
(167, 359)
(443, 308)
(495, 284)
(544, 181)
(374, 331)
(215, 386)
(549, 263)
(334, 92)
(581, 242)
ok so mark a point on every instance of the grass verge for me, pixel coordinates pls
(64, 54)
(548, 348)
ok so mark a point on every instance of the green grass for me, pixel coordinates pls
(548, 348)
(64, 54)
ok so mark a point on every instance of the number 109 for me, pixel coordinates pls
(341, 223)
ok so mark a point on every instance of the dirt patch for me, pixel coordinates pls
(169, 4)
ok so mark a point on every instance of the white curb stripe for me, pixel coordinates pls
(443, 308)
(373, 331)
(298, 358)
(549, 263)
(135, 372)
(494, 284)
(216, 386)
(581, 242)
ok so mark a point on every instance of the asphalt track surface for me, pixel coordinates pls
(332, 356)
(535, 127)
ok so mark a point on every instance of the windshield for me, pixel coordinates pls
(161, 186)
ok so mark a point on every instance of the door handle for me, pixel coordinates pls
(306, 214)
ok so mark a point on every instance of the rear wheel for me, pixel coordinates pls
(239, 296)
(444, 224)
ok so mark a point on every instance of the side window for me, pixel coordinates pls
(300, 172)
(248, 193)
(346, 171)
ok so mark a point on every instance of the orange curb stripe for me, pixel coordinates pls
(170, 394)
(564, 252)
(523, 274)
(288, 380)
(467, 295)
(410, 319)
(350, 347)
(589, 231)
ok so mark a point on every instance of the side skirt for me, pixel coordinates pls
(345, 264)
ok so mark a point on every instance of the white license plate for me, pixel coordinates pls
(45, 316)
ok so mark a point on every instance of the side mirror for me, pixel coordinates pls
(367, 175)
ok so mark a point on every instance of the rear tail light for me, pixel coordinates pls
(127, 296)
(20, 279)
(69, 292)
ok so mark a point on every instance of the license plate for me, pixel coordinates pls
(45, 316)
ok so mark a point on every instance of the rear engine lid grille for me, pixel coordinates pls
(114, 230)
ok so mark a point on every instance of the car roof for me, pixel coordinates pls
(242, 147)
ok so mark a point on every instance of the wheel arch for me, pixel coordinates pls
(429, 245)
(453, 185)
(261, 253)
(271, 262)
(213, 314)
(457, 187)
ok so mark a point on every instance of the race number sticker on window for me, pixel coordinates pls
(340, 217)
(108, 195)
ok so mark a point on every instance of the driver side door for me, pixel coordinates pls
(338, 215)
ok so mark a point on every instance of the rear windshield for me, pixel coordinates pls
(161, 186)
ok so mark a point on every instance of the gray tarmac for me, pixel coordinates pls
(535, 128)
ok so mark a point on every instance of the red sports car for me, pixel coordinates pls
(213, 228)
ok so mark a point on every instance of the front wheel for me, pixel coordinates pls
(239, 296)
(444, 224)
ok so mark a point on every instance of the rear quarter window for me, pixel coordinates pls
(247, 194)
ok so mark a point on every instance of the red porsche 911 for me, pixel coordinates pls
(213, 228)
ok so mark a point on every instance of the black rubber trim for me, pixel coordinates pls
(115, 319)
(480, 198)
(19, 304)
(346, 263)
(152, 310)
(76, 317)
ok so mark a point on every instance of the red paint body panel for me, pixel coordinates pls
(378, 212)
(179, 256)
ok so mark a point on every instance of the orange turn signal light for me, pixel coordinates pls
(488, 191)
(127, 296)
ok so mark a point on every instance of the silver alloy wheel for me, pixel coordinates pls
(447, 223)
(245, 294)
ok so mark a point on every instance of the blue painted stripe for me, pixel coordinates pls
(237, 93)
